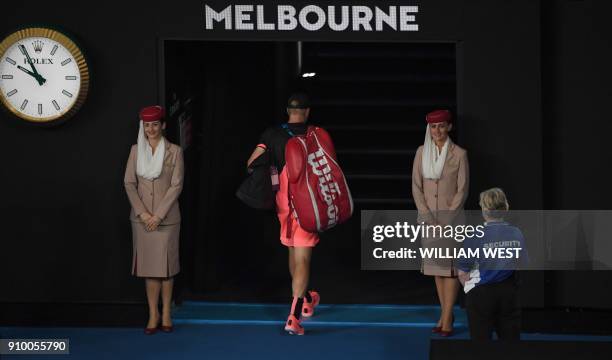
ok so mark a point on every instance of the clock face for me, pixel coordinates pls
(41, 78)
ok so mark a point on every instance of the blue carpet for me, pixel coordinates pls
(329, 315)
(253, 331)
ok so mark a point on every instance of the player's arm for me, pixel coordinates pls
(259, 150)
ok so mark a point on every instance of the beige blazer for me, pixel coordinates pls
(447, 193)
(159, 196)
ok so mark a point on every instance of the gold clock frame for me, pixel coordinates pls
(74, 50)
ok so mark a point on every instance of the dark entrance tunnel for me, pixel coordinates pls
(371, 97)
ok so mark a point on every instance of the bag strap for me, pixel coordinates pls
(289, 221)
(286, 127)
(309, 129)
(288, 231)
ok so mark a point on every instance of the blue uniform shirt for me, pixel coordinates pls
(497, 235)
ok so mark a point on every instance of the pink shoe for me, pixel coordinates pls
(308, 308)
(293, 326)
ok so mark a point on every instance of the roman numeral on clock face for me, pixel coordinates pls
(39, 109)
(71, 77)
(55, 105)
(66, 93)
(66, 61)
(53, 50)
(11, 93)
(23, 104)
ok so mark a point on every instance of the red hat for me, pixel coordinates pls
(438, 116)
(152, 113)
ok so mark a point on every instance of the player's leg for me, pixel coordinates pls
(291, 261)
(301, 272)
(299, 282)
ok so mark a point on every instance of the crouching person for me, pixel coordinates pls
(491, 284)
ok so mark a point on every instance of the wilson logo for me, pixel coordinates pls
(328, 187)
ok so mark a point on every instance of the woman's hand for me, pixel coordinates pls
(152, 223)
(144, 217)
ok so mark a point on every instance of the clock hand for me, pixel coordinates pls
(26, 70)
(23, 48)
(38, 78)
(41, 80)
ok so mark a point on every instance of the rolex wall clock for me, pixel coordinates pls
(44, 77)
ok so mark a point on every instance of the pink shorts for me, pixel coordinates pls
(299, 237)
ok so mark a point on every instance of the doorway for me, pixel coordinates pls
(371, 97)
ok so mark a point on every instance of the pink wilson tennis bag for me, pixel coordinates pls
(318, 192)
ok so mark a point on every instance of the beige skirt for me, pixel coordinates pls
(155, 253)
(439, 266)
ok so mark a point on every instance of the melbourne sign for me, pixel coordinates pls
(254, 17)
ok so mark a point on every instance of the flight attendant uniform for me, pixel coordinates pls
(436, 198)
(156, 253)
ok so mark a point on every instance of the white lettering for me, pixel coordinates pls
(327, 186)
(240, 17)
(405, 18)
(427, 253)
(312, 9)
(286, 17)
(225, 15)
(377, 237)
(362, 15)
(389, 231)
(501, 253)
(402, 253)
(314, 18)
(261, 22)
(382, 17)
(331, 17)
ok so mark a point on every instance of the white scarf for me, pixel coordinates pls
(433, 161)
(149, 165)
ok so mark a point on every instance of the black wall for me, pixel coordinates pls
(576, 74)
(527, 98)
(64, 207)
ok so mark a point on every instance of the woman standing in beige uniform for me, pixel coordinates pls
(153, 182)
(440, 176)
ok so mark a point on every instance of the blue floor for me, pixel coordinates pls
(253, 331)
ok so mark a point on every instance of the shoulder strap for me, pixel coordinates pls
(288, 226)
(286, 127)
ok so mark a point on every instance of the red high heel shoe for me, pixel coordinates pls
(153, 330)
(444, 333)
(166, 329)
(150, 331)
(447, 333)
(437, 329)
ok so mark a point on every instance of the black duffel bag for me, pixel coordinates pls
(256, 190)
